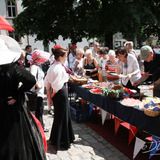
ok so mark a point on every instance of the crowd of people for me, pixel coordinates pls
(35, 71)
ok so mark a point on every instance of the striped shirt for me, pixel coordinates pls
(112, 68)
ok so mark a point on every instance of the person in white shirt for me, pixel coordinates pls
(111, 66)
(102, 62)
(78, 66)
(95, 50)
(129, 67)
(36, 70)
(71, 58)
(62, 133)
(129, 47)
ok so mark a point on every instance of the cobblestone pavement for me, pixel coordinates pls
(88, 144)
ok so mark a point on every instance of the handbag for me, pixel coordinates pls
(31, 100)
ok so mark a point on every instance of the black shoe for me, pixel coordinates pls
(46, 130)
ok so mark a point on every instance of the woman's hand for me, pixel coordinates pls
(39, 85)
(84, 71)
(52, 95)
(136, 83)
(49, 99)
(108, 71)
(11, 101)
(129, 76)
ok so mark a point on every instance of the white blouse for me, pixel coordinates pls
(132, 67)
(102, 64)
(71, 61)
(56, 77)
(39, 75)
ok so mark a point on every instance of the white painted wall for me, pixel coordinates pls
(32, 42)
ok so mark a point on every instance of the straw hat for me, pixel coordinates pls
(10, 50)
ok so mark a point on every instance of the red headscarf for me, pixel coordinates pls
(74, 47)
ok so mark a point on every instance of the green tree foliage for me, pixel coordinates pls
(88, 18)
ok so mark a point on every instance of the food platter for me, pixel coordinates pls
(89, 86)
(113, 74)
(96, 91)
(105, 84)
(122, 76)
(145, 87)
(146, 100)
(130, 102)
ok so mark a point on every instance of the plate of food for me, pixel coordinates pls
(122, 76)
(146, 87)
(89, 86)
(146, 100)
(130, 102)
(96, 91)
(106, 84)
(113, 74)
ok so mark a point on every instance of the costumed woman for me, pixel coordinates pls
(38, 58)
(21, 137)
(61, 133)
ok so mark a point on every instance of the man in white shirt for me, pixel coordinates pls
(95, 50)
(28, 56)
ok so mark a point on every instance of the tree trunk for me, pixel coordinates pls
(109, 40)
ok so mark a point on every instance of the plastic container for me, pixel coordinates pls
(79, 114)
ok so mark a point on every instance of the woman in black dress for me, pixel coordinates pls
(20, 136)
(90, 65)
(62, 133)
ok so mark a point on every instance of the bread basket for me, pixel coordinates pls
(151, 109)
(151, 113)
(78, 81)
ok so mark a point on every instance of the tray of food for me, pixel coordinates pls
(96, 91)
(89, 86)
(130, 102)
(113, 74)
(146, 87)
(78, 80)
(146, 100)
(105, 84)
(122, 76)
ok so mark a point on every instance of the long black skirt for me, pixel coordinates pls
(20, 136)
(62, 133)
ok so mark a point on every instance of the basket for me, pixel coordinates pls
(151, 113)
(117, 87)
(77, 81)
(80, 82)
